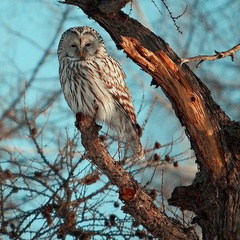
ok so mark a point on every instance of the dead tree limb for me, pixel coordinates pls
(219, 55)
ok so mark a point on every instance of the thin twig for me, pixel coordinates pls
(201, 58)
(39, 65)
(171, 15)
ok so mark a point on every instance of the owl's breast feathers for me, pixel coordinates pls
(97, 81)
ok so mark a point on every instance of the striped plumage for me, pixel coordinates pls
(91, 80)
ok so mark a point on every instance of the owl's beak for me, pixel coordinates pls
(81, 54)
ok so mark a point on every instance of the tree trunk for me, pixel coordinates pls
(214, 194)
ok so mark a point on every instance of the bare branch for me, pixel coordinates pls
(38, 67)
(174, 19)
(201, 58)
(137, 202)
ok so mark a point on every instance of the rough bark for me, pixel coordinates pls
(136, 201)
(214, 193)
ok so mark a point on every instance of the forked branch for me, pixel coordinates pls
(202, 58)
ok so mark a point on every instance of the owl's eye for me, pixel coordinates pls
(88, 44)
(74, 46)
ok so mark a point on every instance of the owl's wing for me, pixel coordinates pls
(114, 77)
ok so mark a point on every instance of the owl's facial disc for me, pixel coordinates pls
(71, 46)
(88, 45)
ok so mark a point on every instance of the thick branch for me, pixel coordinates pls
(137, 202)
(231, 52)
(187, 97)
(111, 6)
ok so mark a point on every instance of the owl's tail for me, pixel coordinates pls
(133, 133)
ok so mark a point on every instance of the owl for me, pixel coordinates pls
(93, 83)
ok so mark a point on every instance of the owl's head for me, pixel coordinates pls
(80, 43)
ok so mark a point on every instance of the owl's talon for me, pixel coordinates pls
(79, 117)
(99, 127)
